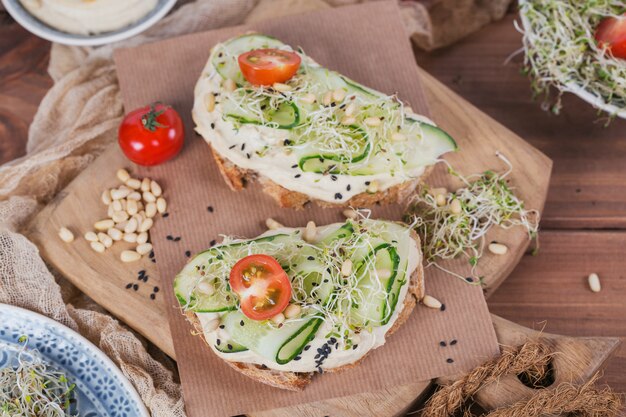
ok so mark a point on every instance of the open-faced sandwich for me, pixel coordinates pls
(307, 133)
(295, 301)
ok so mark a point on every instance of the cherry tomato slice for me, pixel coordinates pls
(268, 66)
(262, 285)
(151, 135)
(611, 32)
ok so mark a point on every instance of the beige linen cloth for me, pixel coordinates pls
(78, 118)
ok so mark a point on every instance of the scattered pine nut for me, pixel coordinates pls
(66, 235)
(351, 214)
(440, 199)
(151, 209)
(91, 237)
(455, 206)
(97, 246)
(118, 194)
(148, 197)
(144, 248)
(142, 238)
(437, 191)
(119, 216)
(308, 98)
(273, 224)
(372, 187)
(129, 256)
(328, 98)
(398, 137)
(230, 85)
(117, 205)
(209, 102)
(155, 188)
(205, 287)
(278, 318)
(372, 121)
(594, 282)
(348, 120)
(161, 205)
(131, 207)
(346, 268)
(115, 234)
(145, 184)
(310, 232)
(146, 225)
(130, 237)
(431, 302)
(110, 210)
(350, 109)
(211, 326)
(121, 226)
(106, 197)
(339, 94)
(283, 88)
(122, 175)
(292, 310)
(498, 248)
(131, 226)
(104, 225)
(135, 195)
(133, 183)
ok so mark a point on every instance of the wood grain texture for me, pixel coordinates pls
(587, 188)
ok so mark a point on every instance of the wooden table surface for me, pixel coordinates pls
(585, 216)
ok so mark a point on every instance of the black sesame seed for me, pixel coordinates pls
(333, 177)
(222, 326)
(129, 286)
(449, 360)
(442, 343)
(176, 239)
(210, 209)
(229, 346)
(135, 287)
(212, 243)
(212, 125)
(338, 196)
(187, 253)
(152, 296)
(355, 346)
(367, 183)
(232, 147)
(294, 166)
(155, 289)
(297, 358)
(317, 356)
(241, 323)
(469, 279)
(169, 237)
(218, 341)
(166, 214)
(453, 342)
(332, 340)
(151, 254)
(243, 146)
(337, 345)
(307, 347)
(348, 187)
(287, 142)
(153, 260)
(142, 272)
(443, 307)
(297, 175)
(311, 258)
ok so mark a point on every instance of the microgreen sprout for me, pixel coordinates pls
(31, 388)
(485, 201)
(561, 51)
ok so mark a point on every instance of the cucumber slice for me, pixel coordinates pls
(278, 344)
(225, 56)
(286, 116)
(230, 347)
(334, 163)
(374, 307)
(346, 230)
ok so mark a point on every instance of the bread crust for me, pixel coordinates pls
(237, 178)
(296, 381)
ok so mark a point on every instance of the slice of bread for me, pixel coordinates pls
(296, 381)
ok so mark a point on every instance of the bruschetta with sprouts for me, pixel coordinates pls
(307, 133)
(298, 301)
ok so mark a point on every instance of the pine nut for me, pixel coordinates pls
(139, 217)
(110, 210)
(310, 232)
(148, 197)
(97, 246)
(140, 205)
(348, 120)
(115, 234)
(205, 287)
(273, 224)
(117, 205)
(103, 225)
(498, 248)
(133, 183)
(146, 225)
(440, 199)
(118, 194)
(383, 273)
(131, 226)
(431, 302)
(209, 102)
(131, 207)
(372, 187)
(283, 88)
(66, 235)
(350, 109)
(156, 189)
(308, 98)
(105, 239)
(292, 310)
(144, 248)
(130, 237)
(455, 207)
(106, 197)
(339, 94)
(120, 216)
(372, 121)
(122, 175)
(142, 238)
(151, 209)
(145, 184)
(135, 195)
(161, 205)
(229, 85)
(121, 226)
(328, 98)
(436, 191)
(91, 237)
(594, 282)
(278, 319)
(211, 326)
(346, 268)
(398, 137)
(129, 256)
(351, 214)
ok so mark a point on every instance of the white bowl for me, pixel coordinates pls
(35, 26)
(596, 101)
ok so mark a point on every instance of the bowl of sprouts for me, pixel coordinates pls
(577, 47)
(48, 370)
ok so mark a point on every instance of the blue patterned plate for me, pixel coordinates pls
(101, 388)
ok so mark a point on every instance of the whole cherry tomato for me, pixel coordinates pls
(611, 33)
(268, 66)
(151, 135)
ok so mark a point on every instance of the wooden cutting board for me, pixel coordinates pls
(104, 278)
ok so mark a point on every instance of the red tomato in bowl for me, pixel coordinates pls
(611, 32)
(268, 66)
(262, 285)
(151, 135)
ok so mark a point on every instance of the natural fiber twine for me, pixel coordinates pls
(531, 358)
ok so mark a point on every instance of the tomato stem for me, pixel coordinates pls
(149, 120)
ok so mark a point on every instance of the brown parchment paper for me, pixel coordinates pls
(367, 43)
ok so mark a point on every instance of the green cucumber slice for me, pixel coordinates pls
(230, 347)
(225, 55)
(286, 116)
(343, 232)
(296, 343)
(335, 163)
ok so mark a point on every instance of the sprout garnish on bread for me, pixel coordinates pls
(317, 135)
(349, 286)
